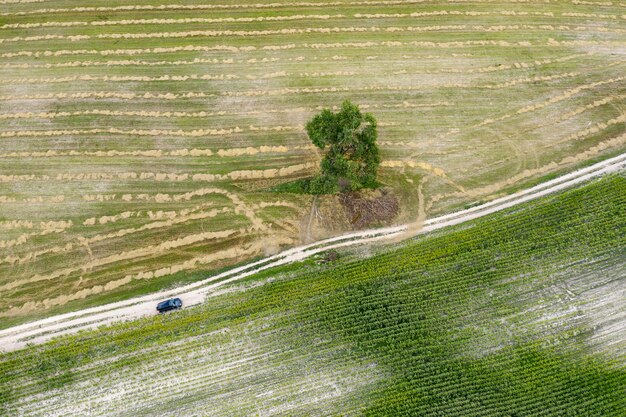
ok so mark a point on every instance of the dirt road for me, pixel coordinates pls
(45, 329)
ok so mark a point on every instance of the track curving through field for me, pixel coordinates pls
(43, 330)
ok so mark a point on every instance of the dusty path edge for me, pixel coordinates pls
(43, 330)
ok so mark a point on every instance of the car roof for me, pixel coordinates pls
(165, 303)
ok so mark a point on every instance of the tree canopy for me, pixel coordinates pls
(352, 156)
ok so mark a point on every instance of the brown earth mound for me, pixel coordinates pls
(369, 208)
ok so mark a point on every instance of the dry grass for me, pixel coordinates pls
(112, 112)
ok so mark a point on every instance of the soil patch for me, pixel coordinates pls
(370, 207)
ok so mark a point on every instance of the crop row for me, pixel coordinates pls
(161, 177)
(298, 59)
(167, 7)
(292, 46)
(565, 95)
(176, 78)
(250, 250)
(282, 74)
(317, 30)
(367, 16)
(159, 215)
(145, 132)
(274, 92)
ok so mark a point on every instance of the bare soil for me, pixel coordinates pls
(370, 207)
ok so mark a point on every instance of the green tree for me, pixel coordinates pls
(352, 156)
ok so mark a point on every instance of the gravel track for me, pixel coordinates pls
(43, 330)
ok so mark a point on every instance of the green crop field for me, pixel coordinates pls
(519, 313)
(140, 141)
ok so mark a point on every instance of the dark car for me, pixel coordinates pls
(171, 304)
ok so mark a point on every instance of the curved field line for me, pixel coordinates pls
(158, 215)
(45, 329)
(567, 94)
(182, 219)
(48, 228)
(236, 252)
(596, 103)
(598, 127)
(141, 252)
(159, 198)
(154, 225)
(31, 256)
(582, 109)
(494, 188)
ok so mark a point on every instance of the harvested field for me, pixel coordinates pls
(139, 137)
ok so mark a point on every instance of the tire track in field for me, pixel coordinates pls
(491, 189)
(567, 94)
(598, 127)
(43, 330)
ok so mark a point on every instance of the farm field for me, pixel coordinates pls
(517, 313)
(140, 141)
